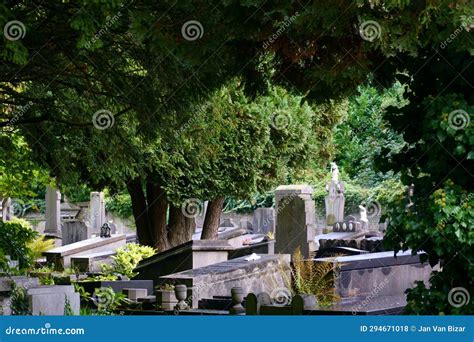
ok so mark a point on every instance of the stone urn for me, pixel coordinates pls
(237, 294)
(181, 292)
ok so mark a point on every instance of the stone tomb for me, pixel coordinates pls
(61, 256)
(263, 275)
(51, 300)
(377, 274)
(295, 219)
(192, 254)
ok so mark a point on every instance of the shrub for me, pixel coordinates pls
(127, 258)
(15, 235)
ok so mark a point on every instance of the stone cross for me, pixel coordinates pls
(97, 211)
(295, 219)
(53, 211)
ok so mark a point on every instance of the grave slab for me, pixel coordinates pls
(92, 262)
(61, 256)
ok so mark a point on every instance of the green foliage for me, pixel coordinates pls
(39, 245)
(15, 237)
(127, 259)
(264, 200)
(360, 137)
(107, 300)
(67, 307)
(437, 126)
(119, 204)
(85, 296)
(441, 226)
(19, 301)
(19, 173)
(102, 277)
(313, 278)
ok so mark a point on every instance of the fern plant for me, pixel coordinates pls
(39, 245)
(308, 277)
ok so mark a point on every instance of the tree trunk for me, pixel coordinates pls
(212, 219)
(140, 211)
(157, 209)
(181, 228)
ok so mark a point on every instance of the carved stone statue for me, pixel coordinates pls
(335, 199)
(363, 217)
(334, 173)
(105, 230)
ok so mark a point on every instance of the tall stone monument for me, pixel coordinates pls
(97, 211)
(335, 199)
(295, 219)
(53, 211)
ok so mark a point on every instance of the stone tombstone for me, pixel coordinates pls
(264, 220)
(302, 302)
(295, 219)
(254, 302)
(53, 211)
(74, 231)
(97, 211)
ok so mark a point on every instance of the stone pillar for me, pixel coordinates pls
(53, 211)
(97, 211)
(295, 219)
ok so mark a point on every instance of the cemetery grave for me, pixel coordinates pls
(243, 271)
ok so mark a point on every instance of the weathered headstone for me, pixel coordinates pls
(264, 220)
(74, 231)
(53, 211)
(295, 219)
(97, 211)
